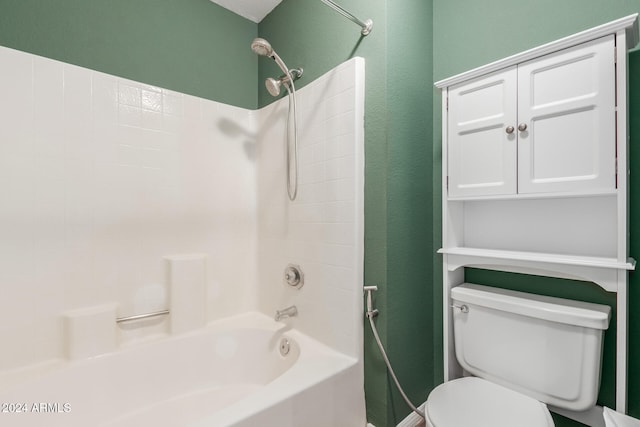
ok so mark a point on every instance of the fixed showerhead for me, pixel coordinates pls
(261, 47)
(274, 85)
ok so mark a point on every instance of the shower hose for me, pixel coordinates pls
(371, 313)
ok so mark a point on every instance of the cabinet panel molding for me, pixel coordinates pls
(480, 151)
(567, 101)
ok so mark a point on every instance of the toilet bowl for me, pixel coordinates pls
(476, 402)
(519, 352)
(480, 403)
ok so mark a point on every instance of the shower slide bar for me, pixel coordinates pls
(366, 25)
(142, 316)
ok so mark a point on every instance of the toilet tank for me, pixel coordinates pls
(544, 347)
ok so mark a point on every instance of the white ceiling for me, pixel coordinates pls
(254, 10)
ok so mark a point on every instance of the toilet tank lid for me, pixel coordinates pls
(553, 309)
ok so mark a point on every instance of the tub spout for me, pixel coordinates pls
(286, 312)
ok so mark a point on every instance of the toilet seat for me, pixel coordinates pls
(477, 402)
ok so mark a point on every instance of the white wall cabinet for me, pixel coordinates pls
(542, 126)
(535, 171)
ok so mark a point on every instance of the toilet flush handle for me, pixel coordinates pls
(463, 308)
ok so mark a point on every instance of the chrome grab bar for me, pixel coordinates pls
(141, 316)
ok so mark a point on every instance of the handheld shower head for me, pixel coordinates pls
(261, 47)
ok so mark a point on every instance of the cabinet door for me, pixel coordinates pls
(481, 154)
(567, 101)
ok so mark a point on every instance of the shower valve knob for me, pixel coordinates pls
(293, 276)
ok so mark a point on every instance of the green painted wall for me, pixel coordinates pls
(398, 190)
(191, 46)
(470, 34)
(634, 285)
(410, 230)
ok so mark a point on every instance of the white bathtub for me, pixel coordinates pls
(230, 373)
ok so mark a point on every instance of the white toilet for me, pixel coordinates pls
(521, 352)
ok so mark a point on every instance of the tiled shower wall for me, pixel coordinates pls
(322, 230)
(101, 177)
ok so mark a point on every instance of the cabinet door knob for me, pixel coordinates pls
(509, 129)
(522, 127)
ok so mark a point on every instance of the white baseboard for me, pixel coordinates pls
(413, 419)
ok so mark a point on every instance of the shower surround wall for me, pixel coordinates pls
(322, 230)
(101, 178)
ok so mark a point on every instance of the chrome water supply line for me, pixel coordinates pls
(366, 26)
(371, 313)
